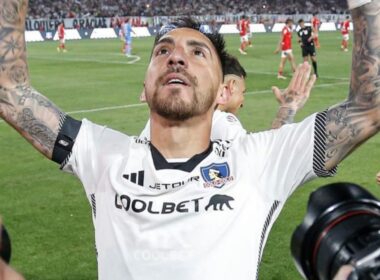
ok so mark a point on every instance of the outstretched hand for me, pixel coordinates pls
(294, 97)
(297, 93)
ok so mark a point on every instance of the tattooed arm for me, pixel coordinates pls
(358, 118)
(294, 97)
(30, 113)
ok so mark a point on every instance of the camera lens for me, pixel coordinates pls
(5, 245)
(342, 222)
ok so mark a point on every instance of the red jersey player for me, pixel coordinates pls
(61, 37)
(345, 30)
(285, 45)
(315, 23)
(243, 28)
(249, 33)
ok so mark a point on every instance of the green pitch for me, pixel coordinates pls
(46, 211)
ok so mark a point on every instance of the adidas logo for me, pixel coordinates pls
(136, 178)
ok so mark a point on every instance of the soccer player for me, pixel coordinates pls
(127, 34)
(345, 30)
(285, 45)
(158, 210)
(315, 23)
(249, 33)
(61, 37)
(306, 36)
(243, 26)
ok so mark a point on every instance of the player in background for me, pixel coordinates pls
(285, 45)
(249, 32)
(127, 35)
(306, 40)
(316, 23)
(61, 37)
(243, 26)
(345, 30)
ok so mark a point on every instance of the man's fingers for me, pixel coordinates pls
(305, 76)
(277, 92)
(296, 76)
(310, 84)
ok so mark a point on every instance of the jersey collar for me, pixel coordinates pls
(161, 163)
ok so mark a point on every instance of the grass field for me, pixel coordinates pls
(46, 211)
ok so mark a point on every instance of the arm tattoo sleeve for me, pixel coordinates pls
(30, 113)
(285, 115)
(358, 118)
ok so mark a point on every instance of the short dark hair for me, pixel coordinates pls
(315, 13)
(216, 39)
(233, 67)
(288, 20)
(301, 21)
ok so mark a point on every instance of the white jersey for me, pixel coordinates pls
(207, 218)
(225, 126)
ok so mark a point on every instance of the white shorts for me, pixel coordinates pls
(286, 53)
(346, 37)
(62, 40)
(244, 38)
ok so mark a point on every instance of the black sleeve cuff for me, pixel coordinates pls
(68, 131)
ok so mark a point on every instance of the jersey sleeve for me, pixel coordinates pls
(95, 149)
(226, 126)
(288, 157)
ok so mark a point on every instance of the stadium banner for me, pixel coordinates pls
(82, 23)
(70, 23)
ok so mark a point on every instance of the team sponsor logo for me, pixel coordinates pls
(217, 202)
(138, 178)
(135, 177)
(216, 175)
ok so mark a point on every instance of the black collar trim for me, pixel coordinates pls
(161, 163)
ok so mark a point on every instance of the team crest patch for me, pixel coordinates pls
(216, 175)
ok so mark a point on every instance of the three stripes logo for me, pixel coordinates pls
(136, 178)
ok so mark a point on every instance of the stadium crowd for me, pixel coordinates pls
(49, 9)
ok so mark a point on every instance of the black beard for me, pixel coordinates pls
(173, 108)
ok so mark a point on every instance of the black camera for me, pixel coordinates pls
(5, 244)
(341, 226)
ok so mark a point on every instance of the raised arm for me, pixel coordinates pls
(294, 97)
(30, 113)
(358, 118)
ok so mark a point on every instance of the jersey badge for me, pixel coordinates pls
(216, 175)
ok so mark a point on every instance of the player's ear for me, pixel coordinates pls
(142, 95)
(231, 85)
(224, 94)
